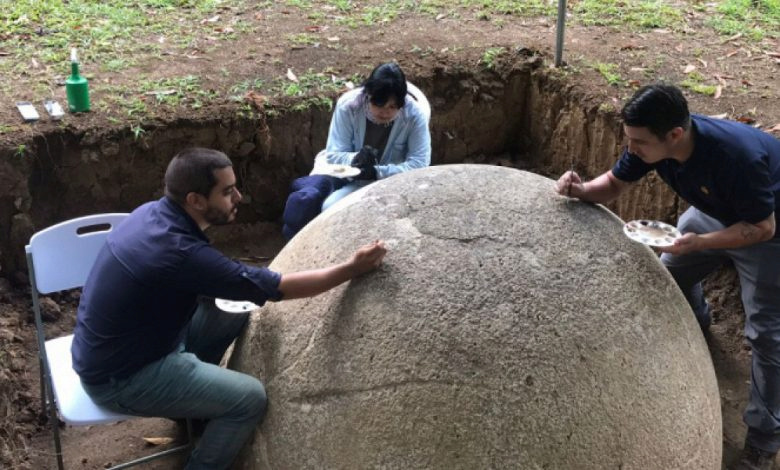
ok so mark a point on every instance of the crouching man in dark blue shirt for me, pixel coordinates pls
(148, 337)
(730, 174)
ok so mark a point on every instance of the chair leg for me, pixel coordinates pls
(55, 422)
(57, 447)
(186, 447)
(43, 387)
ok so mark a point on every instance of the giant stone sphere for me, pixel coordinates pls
(507, 328)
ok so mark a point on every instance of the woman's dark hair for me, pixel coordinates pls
(386, 81)
(658, 107)
(192, 171)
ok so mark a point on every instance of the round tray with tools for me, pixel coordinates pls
(651, 232)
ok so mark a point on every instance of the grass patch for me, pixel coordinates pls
(490, 57)
(355, 14)
(638, 14)
(699, 88)
(117, 64)
(695, 83)
(177, 91)
(239, 90)
(137, 131)
(313, 89)
(610, 73)
(310, 82)
(742, 16)
(104, 32)
(303, 39)
(513, 7)
(303, 4)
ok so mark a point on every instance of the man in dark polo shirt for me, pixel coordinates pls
(148, 338)
(730, 174)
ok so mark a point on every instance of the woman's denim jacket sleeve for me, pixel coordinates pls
(408, 146)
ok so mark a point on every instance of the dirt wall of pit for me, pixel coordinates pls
(520, 110)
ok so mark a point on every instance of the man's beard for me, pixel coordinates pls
(215, 216)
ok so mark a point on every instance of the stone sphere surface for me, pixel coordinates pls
(507, 328)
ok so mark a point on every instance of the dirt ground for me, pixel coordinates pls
(745, 70)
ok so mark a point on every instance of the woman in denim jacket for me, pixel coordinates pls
(380, 128)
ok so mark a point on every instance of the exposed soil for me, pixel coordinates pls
(421, 45)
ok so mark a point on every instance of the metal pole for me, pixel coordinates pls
(559, 32)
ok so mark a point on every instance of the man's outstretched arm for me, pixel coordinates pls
(600, 190)
(316, 281)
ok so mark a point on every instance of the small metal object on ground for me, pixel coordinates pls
(28, 111)
(54, 109)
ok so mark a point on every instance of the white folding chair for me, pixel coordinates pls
(60, 258)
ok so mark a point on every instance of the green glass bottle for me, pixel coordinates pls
(76, 87)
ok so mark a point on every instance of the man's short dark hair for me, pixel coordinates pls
(192, 171)
(386, 81)
(658, 107)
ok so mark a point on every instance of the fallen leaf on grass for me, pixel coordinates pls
(732, 38)
(689, 68)
(745, 119)
(733, 53)
(703, 62)
(718, 92)
(213, 19)
(258, 16)
(634, 83)
(158, 441)
(291, 76)
(313, 28)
